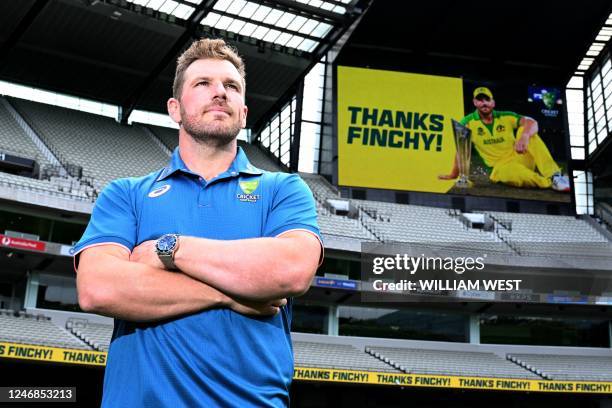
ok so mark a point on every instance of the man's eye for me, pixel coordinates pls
(232, 86)
(203, 83)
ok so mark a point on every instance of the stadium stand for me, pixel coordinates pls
(523, 234)
(14, 140)
(406, 223)
(128, 150)
(258, 158)
(321, 188)
(308, 354)
(20, 327)
(169, 137)
(537, 234)
(57, 187)
(604, 211)
(441, 362)
(559, 367)
(96, 335)
(338, 225)
(354, 353)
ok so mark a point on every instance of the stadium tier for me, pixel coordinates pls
(56, 187)
(13, 138)
(356, 353)
(132, 151)
(38, 330)
(258, 157)
(337, 356)
(390, 222)
(169, 137)
(345, 227)
(577, 368)
(96, 335)
(442, 362)
(121, 151)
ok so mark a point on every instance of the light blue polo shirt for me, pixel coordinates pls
(215, 357)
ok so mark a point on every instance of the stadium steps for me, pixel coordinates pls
(156, 139)
(97, 335)
(567, 368)
(387, 360)
(167, 136)
(529, 367)
(443, 362)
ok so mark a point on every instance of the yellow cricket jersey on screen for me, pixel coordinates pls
(494, 142)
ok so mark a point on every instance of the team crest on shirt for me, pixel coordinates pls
(500, 128)
(248, 187)
(159, 191)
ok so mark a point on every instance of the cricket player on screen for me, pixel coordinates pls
(510, 145)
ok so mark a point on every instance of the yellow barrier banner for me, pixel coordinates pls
(447, 381)
(394, 129)
(52, 354)
(98, 358)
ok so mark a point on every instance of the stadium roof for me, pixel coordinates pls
(544, 39)
(122, 52)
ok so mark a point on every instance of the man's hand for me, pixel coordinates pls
(250, 308)
(145, 254)
(521, 145)
(454, 172)
(450, 176)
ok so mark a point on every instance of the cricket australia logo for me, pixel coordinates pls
(248, 187)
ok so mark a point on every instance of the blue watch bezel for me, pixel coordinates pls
(161, 246)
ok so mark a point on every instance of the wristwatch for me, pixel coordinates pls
(165, 247)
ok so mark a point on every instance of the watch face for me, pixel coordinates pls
(166, 243)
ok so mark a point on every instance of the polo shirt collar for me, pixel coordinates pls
(240, 165)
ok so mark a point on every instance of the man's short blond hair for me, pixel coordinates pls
(205, 48)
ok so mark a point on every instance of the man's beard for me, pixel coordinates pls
(214, 134)
(485, 111)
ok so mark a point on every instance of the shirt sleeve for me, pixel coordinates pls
(113, 220)
(512, 117)
(293, 207)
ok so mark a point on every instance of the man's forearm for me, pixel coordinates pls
(530, 128)
(256, 269)
(138, 292)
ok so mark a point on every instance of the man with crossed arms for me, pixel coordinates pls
(198, 262)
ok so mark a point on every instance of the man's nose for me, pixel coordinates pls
(219, 90)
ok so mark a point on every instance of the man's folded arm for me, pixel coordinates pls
(108, 283)
(257, 269)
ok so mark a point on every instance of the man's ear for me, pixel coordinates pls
(174, 110)
(244, 116)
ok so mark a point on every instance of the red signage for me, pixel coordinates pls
(22, 243)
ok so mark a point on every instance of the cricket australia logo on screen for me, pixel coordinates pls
(248, 187)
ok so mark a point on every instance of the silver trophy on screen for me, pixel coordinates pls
(463, 141)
